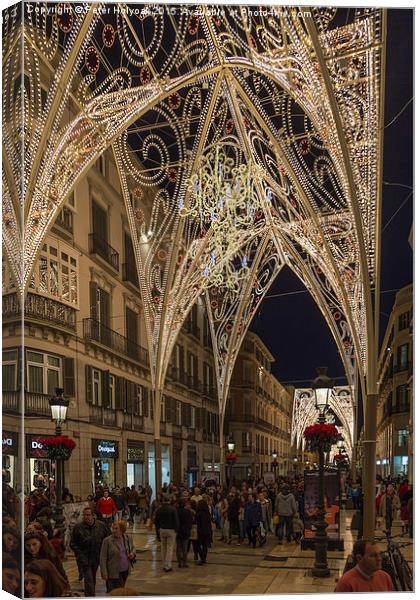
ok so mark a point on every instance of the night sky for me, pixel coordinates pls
(300, 340)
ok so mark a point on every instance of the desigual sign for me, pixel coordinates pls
(34, 448)
(10, 442)
(104, 449)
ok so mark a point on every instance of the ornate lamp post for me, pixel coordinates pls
(230, 458)
(275, 464)
(322, 386)
(59, 406)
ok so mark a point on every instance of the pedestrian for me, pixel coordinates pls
(389, 506)
(117, 556)
(120, 504)
(86, 541)
(106, 508)
(36, 546)
(233, 516)
(167, 525)
(42, 580)
(252, 519)
(204, 530)
(285, 508)
(11, 575)
(241, 517)
(11, 542)
(132, 501)
(266, 510)
(297, 527)
(142, 504)
(367, 575)
(186, 520)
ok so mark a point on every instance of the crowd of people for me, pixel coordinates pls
(187, 522)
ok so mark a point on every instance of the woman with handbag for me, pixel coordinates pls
(117, 556)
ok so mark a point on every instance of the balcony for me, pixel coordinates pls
(65, 220)
(11, 402)
(102, 416)
(99, 246)
(207, 341)
(129, 273)
(37, 405)
(133, 422)
(208, 390)
(40, 308)
(94, 331)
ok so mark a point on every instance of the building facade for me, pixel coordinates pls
(259, 414)
(84, 331)
(394, 409)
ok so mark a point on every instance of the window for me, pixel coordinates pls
(247, 372)
(402, 437)
(402, 356)
(97, 387)
(402, 397)
(10, 370)
(111, 383)
(57, 273)
(178, 413)
(43, 372)
(99, 221)
(246, 440)
(404, 321)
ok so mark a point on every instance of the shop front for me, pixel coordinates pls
(192, 465)
(9, 457)
(135, 463)
(211, 471)
(104, 455)
(166, 465)
(41, 468)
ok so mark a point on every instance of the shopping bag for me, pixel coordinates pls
(276, 520)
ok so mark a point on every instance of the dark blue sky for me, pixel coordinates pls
(292, 326)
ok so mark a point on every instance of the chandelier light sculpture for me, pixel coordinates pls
(224, 197)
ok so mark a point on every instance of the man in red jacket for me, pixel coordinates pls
(106, 507)
(367, 575)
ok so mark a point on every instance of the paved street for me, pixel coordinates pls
(273, 569)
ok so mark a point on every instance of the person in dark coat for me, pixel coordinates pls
(252, 517)
(86, 542)
(186, 519)
(204, 530)
(233, 516)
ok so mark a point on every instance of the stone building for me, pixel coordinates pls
(84, 331)
(259, 413)
(395, 396)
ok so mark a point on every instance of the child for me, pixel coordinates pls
(404, 516)
(297, 526)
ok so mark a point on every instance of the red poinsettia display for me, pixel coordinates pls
(341, 460)
(321, 437)
(59, 446)
(231, 456)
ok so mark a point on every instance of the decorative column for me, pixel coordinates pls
(369, 467)
(158, 444)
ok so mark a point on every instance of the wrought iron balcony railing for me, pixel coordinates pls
(40, 308)
(102, 416)
(11, 402)
(37, 404)
(134, 422)
(192, 328)
(129, 273)
(94, 331)
(99, 246)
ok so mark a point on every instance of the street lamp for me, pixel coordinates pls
(59, 406)
(295, 464)
(275, 464)
(322, 386)
(231, 458)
